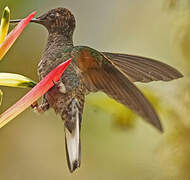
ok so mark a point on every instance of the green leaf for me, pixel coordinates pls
(15, 80)
(4, 24)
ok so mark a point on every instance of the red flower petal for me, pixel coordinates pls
(13, 35)
(41, 88)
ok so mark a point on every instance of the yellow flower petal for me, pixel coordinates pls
(15, 80)
(1, 96)
(4, 24)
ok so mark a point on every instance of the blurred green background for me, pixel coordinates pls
(116, 144)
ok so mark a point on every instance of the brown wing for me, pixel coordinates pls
(100, 75)
(143, 69)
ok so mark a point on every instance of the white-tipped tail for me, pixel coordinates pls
(72, 142)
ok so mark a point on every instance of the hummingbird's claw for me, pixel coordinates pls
(35, 104)
(55, 84)
(39, 108)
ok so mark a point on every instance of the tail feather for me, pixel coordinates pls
(72, 139)
(73, 153)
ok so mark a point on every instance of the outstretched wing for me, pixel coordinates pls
(143, 69)
(99, 74)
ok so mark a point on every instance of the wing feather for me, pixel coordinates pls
(143, 69)
(101, 75)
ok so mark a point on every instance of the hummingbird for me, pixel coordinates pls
(92, 71)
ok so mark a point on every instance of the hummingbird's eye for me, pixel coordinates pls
(52, 16)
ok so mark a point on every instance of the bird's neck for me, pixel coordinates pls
(56, 45)
(59, 40)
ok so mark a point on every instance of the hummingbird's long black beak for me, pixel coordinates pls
(36, 20)
(15, 21)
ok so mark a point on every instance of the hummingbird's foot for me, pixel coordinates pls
(35, 104)
(40, 108)
(35, 107)
(60, 86)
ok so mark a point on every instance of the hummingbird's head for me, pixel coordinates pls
(59, 20)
